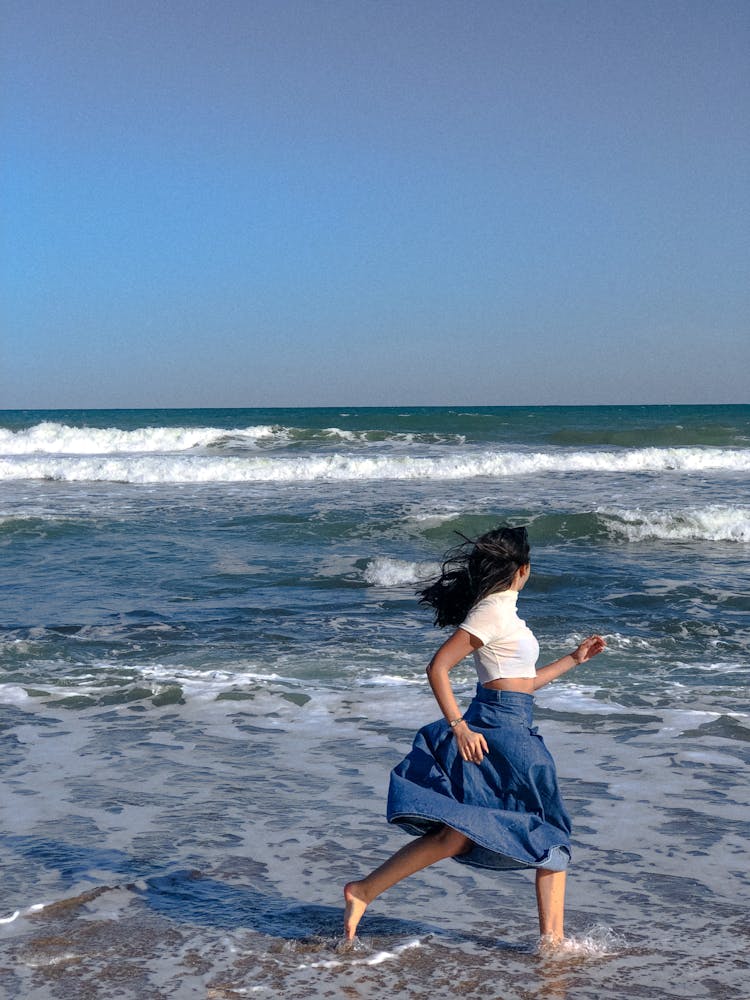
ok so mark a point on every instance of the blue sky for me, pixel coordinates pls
(339, 202)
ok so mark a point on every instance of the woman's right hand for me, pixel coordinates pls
(588, 649)
(471, 746)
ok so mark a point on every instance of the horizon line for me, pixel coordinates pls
(360, 406)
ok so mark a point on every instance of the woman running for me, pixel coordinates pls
(482, 787)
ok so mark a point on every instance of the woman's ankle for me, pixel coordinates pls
(356, 889)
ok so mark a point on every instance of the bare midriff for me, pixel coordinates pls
(525, 685)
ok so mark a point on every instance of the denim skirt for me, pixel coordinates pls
(509, 806)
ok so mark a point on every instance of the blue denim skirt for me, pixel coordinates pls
(509, 806)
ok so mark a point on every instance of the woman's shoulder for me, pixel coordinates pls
(494, 607)
(499, 599)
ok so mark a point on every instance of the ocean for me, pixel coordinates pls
(211, 655)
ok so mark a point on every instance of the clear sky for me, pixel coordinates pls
(351, 202)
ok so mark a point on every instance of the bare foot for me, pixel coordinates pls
(354, 909)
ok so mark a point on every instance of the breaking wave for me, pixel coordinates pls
(461, 464)
(52, 438)
(384, 572)
(713, 523)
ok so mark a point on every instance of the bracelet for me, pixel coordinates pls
(455, 722)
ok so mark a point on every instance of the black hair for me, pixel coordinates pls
(473, 570)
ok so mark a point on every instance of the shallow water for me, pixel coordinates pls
(201, 853)
(204, 686)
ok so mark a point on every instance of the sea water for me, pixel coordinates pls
(211, 656)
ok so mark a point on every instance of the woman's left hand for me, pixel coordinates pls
(589, 648)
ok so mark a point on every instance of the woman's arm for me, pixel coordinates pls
(585, 651)
(472, 746)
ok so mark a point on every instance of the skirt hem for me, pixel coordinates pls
(404, 820)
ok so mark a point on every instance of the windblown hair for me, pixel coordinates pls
(473, 570)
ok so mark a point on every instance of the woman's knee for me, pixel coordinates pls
(453, 842)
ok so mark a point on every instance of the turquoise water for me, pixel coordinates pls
(211, 655)
(636, 426)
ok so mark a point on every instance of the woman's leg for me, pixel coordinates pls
(550, 900)
(417, 854)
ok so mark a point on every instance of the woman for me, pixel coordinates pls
(482, 788)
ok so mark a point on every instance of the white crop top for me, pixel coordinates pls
(510, 648)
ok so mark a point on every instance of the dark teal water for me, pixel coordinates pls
(636, 426)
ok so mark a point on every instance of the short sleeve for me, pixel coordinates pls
(485, 621)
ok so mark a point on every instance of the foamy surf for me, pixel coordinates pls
(385, 572)
(569, 697)
(20, 914)
(53, 438)
(200, 468)
(358, 946)
(712, 523)
(598, 942)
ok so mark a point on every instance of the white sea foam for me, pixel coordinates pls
(13, 694)
(728, 667)
(389, 680)
(61, 439)
(384, 572)
(206, 683)
(709, 757)
(54, 960)
(383, 437)
(201, 468)
(713, 523)
(51, 438)
(377, 958)
(34, 908)
(431, 519)
(615, 642)
(199, 685)
(599, 942)
(567, 697)
(675, 722)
